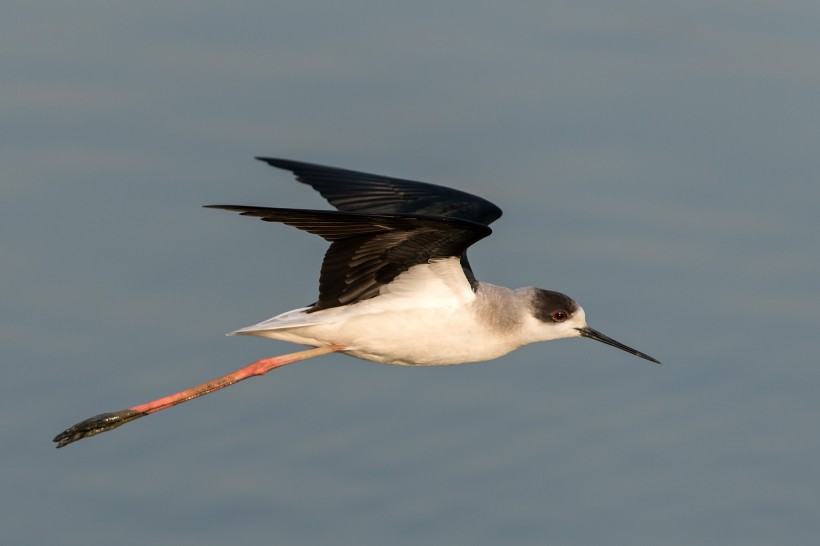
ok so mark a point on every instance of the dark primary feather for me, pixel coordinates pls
(353, 191)
(368, 251)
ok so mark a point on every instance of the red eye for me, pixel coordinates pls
(559, 316)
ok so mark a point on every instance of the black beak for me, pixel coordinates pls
(595, 334)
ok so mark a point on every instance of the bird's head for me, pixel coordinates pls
(559, 316)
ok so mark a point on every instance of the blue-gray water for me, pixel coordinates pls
(658, 161)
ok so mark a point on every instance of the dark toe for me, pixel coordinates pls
(95, 425)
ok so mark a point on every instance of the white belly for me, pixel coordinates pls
(425, 337)
(428, 316)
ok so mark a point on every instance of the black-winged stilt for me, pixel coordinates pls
(395, 286)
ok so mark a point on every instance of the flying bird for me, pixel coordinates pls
(395, 286)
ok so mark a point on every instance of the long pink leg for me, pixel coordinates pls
(108, 421)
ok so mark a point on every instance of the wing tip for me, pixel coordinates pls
(279, 163)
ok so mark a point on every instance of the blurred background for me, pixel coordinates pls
(657, 161)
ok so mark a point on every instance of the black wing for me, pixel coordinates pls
(352, 191)
(368, 251)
